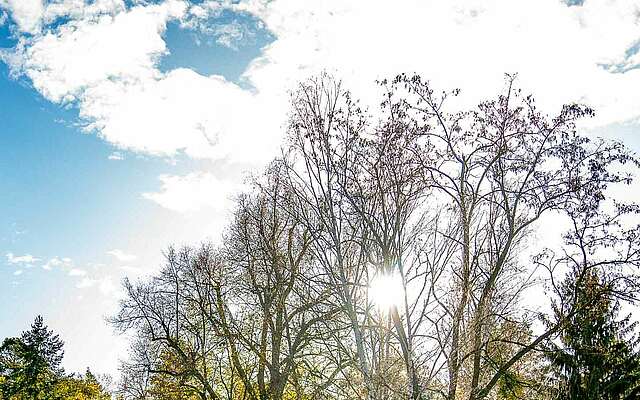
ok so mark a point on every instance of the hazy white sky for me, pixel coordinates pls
(126, 125)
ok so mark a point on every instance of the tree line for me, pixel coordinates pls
(443, 204)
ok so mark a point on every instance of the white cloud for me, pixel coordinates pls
(77, 272)
(57, 262)
(129, 44)
(123, 97)
(30, 15)
(192, 192)
(86, 283)
(77, 9)
(561, 53)
(206, 117)
(26, 259)
(202, 12)
(17, 272)
(556, 50)
(54, 262)
(26, 13)
(121, 255)
(233, 35)
(116, 156)
(105, 285)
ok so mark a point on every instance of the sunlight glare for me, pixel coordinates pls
(386, 290)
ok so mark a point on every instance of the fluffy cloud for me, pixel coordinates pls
(232, 34)
(559, 51)
(30, 15)
(582, 53)
(57, 262)
(123, 47)
(77, 272)
(77, 9)
(563, 53)
(86, 283)
(27, 14)
(192, 192)
(206, 117)
(105, 285)
(121, 255)
(123, 96)
(116, 156)
(26, 259)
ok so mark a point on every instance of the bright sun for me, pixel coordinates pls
(386, 290)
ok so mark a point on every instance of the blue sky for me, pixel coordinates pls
(65, 197)
(127, 126)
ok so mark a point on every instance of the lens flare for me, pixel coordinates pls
(386, 290)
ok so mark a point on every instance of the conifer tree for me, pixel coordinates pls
(598, 357)
(30, 364)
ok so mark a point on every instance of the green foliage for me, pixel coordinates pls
(30, 369)
(30, 364)
(84, 387)
(170, 386)
(598, 359)
(510, 387)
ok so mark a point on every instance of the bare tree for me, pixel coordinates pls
(320, 135)
(164, 314)
(444, 201)
(502, 167)
(237, 321)
(491, 173)
(272, 307)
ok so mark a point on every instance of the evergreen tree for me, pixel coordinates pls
(598, 359)
(30, 364)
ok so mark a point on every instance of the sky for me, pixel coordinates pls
(127, 126)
